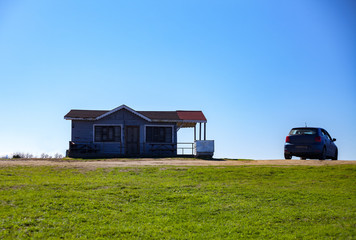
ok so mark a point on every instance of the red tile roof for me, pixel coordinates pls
(191, 115)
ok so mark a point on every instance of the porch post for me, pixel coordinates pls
(195, 132)
(200, 131)
(204, 131)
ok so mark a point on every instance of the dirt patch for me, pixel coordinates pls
(109, 163)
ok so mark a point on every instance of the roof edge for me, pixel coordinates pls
(123, 106)
(73, 118)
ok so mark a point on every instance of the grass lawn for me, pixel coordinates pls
(256, 202)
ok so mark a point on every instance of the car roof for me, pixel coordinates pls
(321, 129)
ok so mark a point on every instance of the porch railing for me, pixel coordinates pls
(143, 149)
(185, 148)
(154, 149)
(83, 147)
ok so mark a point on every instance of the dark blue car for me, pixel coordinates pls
(309, 142)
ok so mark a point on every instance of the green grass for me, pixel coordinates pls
(256, 202)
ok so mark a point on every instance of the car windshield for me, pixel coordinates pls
(303, 131)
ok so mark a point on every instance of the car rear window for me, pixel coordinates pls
(303, 131)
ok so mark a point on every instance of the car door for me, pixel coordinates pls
(328, 143)
(332, 145)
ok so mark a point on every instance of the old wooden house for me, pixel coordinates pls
(124, 132)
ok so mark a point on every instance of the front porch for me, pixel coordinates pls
(200, 147)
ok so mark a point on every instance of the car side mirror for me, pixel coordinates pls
(334, 139)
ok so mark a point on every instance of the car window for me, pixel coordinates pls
(326, 134)
(303, 131)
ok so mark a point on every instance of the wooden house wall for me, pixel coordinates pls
(82, 132)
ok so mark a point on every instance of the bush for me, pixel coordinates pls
(22, 155)
(58, 155)
(29, 155)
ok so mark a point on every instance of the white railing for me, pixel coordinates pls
(185, 148)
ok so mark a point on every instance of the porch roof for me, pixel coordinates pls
(183, 118)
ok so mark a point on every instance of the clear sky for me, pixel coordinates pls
(255, 68)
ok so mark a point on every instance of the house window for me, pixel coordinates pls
(159, 134)
(107, 133)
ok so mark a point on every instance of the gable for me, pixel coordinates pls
(126, 108)
(121, 115)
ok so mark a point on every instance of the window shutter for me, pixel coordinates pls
(98, 134)
(117, 134)
(168, 135)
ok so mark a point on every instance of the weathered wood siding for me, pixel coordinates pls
(83, 132)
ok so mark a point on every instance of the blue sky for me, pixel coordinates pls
(255, 68)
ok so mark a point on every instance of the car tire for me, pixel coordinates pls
(287, 157)
(323, 154)
(335, 155)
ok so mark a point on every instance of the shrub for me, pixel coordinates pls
(22, 155)
(17, 155)
(58, 155)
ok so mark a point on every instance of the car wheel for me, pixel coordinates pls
(335, 155)
(287, 156)
(323, 154)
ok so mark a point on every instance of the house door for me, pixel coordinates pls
(132, 140)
